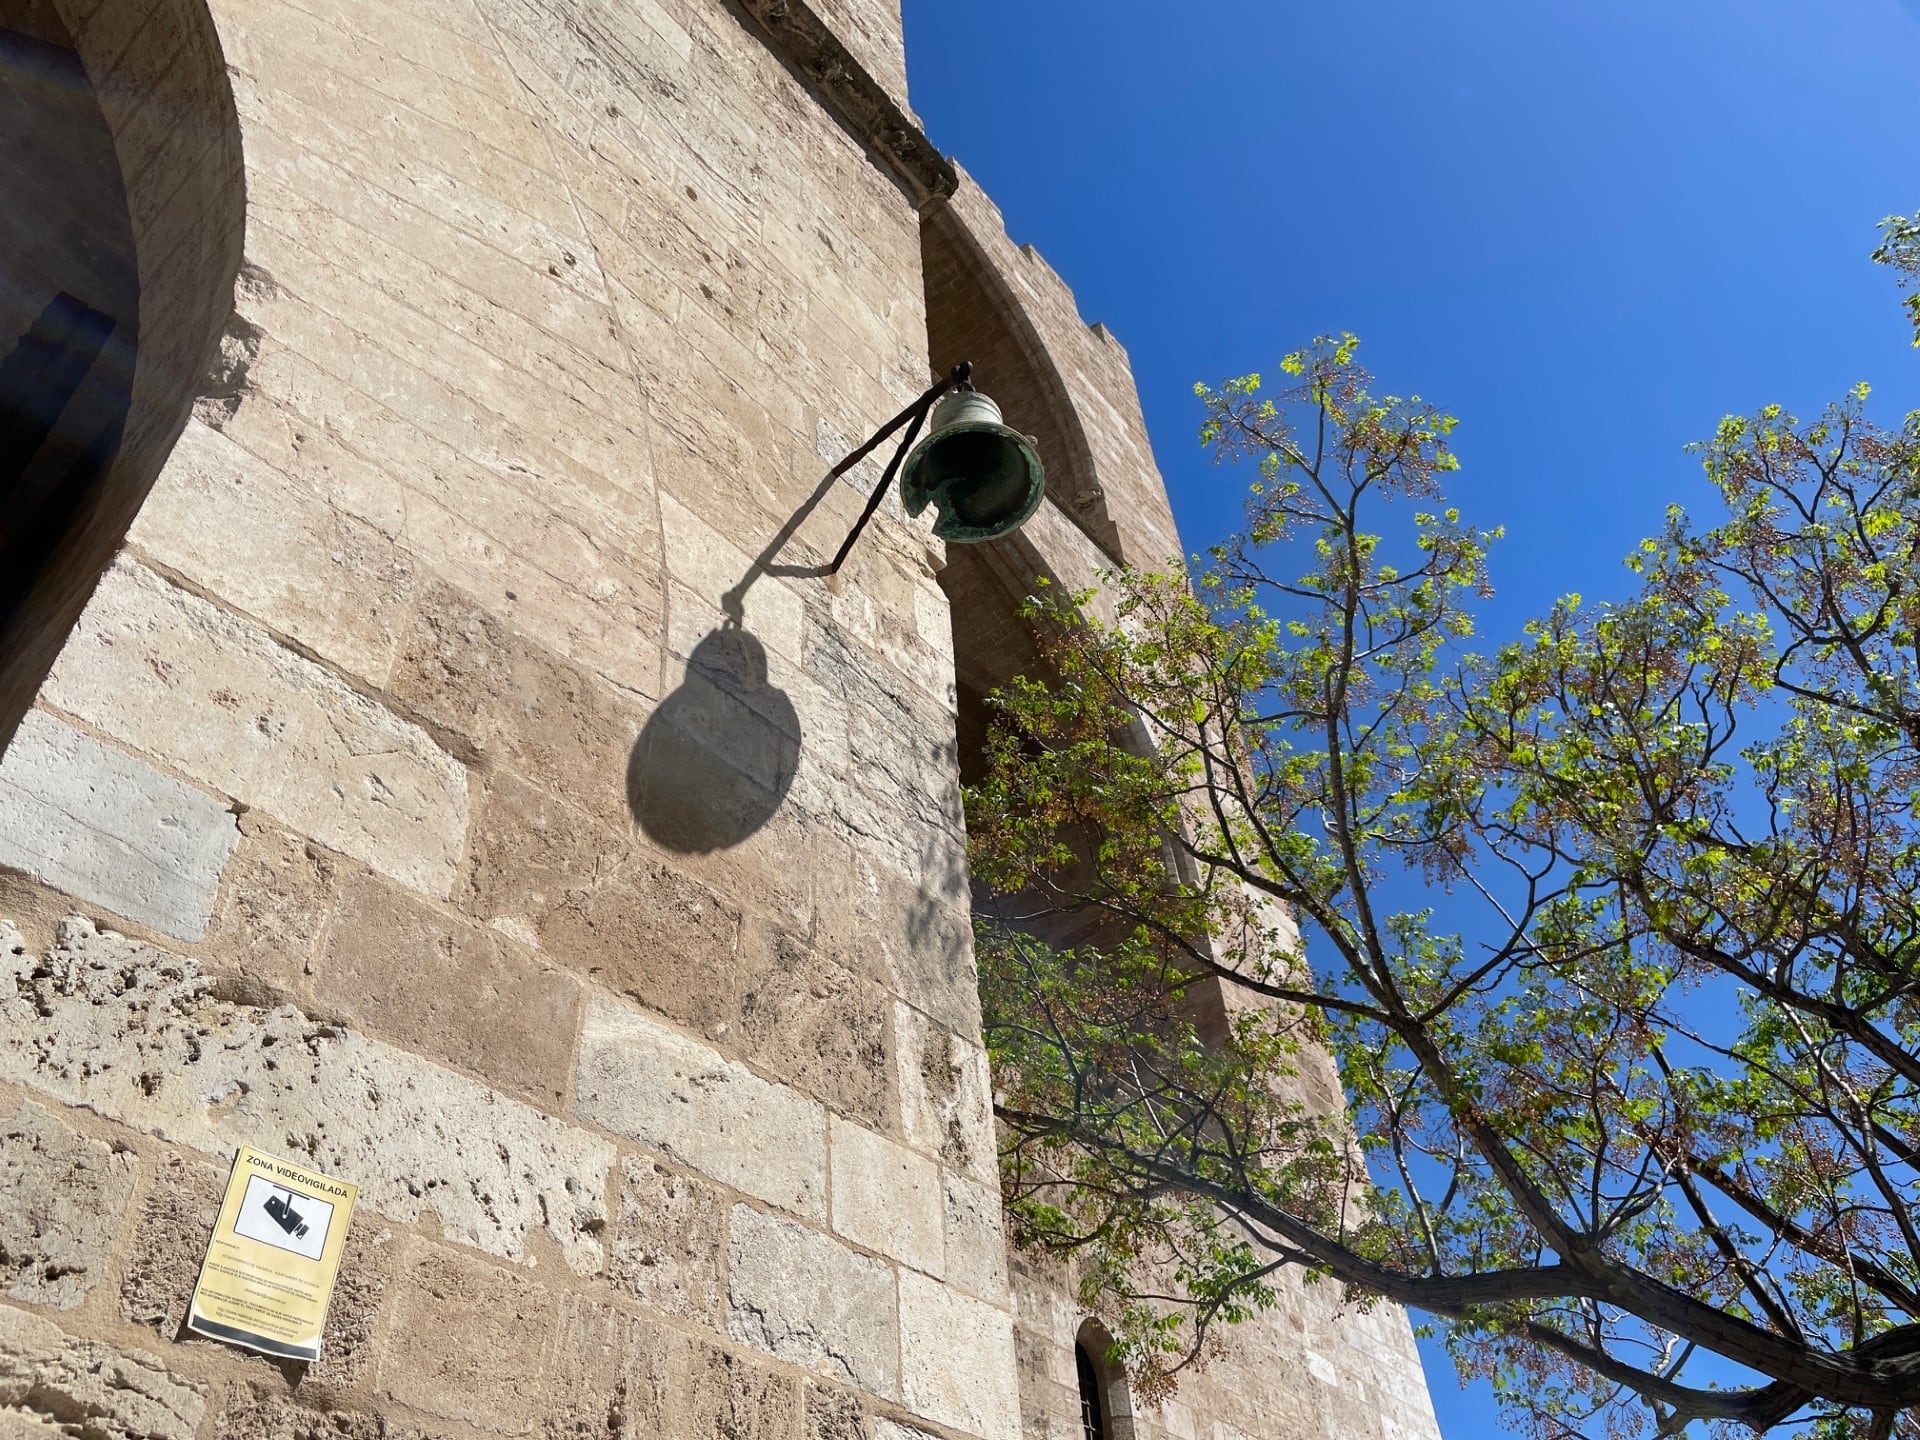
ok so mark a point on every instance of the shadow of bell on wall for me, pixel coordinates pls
(716, 759)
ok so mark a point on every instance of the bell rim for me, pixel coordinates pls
(1028, 453)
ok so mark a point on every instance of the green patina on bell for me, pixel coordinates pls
(982, 478)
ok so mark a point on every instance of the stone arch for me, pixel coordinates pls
(974, 314)
(993, 643)
(132, 99)
(1067, 383)
(1106, 1404)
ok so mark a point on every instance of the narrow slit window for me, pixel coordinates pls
(1093, 1408)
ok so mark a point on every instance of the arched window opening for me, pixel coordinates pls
(1093, 1406)
(122, 215)
(1106, 1406)
(69, 297)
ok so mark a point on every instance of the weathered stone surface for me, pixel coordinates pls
(523, 708)
(135, 1034)
(450, 989)
(277, 551)
(170, 1239)
(28, 1425)
(179, 678)
(669, 1241)
(252, 1413)
(350, 1345)
(656, 934)
(804, 1297)
(815, 1024)
(275, 900)
(913, 936)
(66, 1194)
(532, 855)
(886, 1197)
(976, 1239)
(456, 1319)
(111, 830)
(946, 1098)
(642, 1080)
(618, 1377)
(957, 1360)
(88, 1389)
(835, 1414)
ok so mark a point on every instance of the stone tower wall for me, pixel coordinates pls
(1315, 1368)
(349, 821)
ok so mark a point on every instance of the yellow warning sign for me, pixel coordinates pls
(268, 1276)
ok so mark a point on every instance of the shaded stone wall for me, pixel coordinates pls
(435, 789)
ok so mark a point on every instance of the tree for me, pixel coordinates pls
(1900, 248)
(1613, 933)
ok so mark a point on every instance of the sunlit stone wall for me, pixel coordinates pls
(435, 791)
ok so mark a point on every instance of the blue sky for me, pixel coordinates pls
(1588, 229)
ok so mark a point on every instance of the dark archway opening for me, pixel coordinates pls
(1106, 1406)
(986, 586)
(69, 298)
(1093, 1405)
(122, 217)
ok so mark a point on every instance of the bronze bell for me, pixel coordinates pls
(982, 478)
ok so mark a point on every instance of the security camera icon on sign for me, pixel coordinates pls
(285, 1216)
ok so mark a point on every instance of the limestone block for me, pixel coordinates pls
(816, 1025)
(135, 1034)
(66, 1194)
(533, 854)
(400, 242)
(520, 537)
(28, 1425)
(642, 1080)
(255, 1413)
(656, 934)
(275, 899)
(90, 1389)
(237, 526)
(774, 871)
(710, 565)
(456, 1319)
(885, 1197)
(438, 323)
(269, 29)
(912, 934)
(804, 1297)
(174, 675)
(110, 830)
(446, 38)
(170, 1240)
(523, 707)
(462, 190)
(834, 1413)
(976, 1238)
(946, 1098)
(626, 1378)
(454, 990)
(669, 1241)
(957, 1360)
